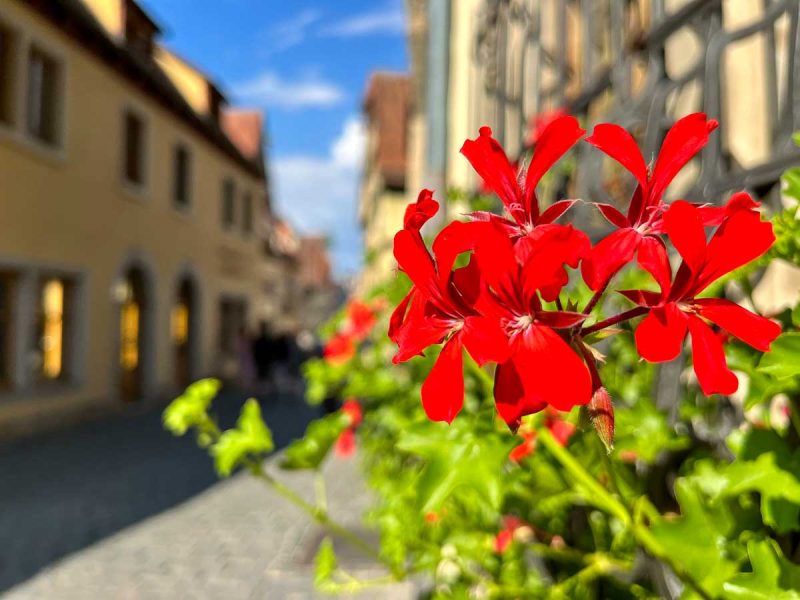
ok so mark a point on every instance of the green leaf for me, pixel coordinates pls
(309, 451)
(773, 577)
(251, 437)
(324, 563)
(762, 475)
(457, 458)
(698, 539)
(783, 359)
(190, 409)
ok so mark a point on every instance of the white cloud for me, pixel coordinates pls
(269, 89)
(319, 194)
(389, 20)
(291, 32)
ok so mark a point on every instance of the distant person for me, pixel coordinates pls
(263, 352)
(247, 367)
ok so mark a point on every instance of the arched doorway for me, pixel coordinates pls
(134, 307)
(183, 332)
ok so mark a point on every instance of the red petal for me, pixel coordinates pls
(683, 225)
(558, 137)
(399, 314)
(612, 215)
(554, 211)
(653, 258)
(455, 238)
(708, 356)
(738, 321)
(685, 139)
(490, 162)
(660, 335)
(485, 340)
(543, 255)
(551, 371)
(741, 238)
(509, 395)
(346, 444)
(609, 255)
(414, 260)
(497, 260)
(503, 541)
(418, 213)
(419, 331)
(620, 145)
(443, 390)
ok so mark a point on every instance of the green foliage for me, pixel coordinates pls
(773, 577)
(310, 451)
(325, 563)
(190, 409)
(250, 439)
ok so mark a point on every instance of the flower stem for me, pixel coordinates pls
(319, 514)
(601, 497)
(596, 298)
(625, 316)
(486, 380)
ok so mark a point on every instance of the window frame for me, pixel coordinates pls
(228, 203)
(248, 213)
(182, 205)
(55, 141)
(138, 188)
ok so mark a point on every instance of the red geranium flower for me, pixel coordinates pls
(539, 123)
(560, 429)
(542, 368)
(441, 309)
(340, 348)
(512, 526)
(741, 238)
(352, 409)
(643, 222)
(361, 319)
(346, 443)
(517, 190)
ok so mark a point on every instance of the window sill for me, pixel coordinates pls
(54, 153)
(39, 390)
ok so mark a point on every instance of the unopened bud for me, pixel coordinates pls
(601, 413)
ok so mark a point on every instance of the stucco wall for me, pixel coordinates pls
(68, 211)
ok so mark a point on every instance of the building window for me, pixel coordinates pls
(43, 96)
(133, 136)
(7, 75)
(247, 213)
(6, 326)
(228, 203)
(50, 329)
(181, 192)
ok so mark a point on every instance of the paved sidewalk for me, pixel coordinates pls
(237, 539)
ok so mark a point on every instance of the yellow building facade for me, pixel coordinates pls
(133, 228)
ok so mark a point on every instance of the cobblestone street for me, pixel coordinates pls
(121, 509)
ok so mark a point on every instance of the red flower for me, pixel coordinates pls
(526, 448)
(352, 409)
(542, 368)
(340, 348)
(639, 228)
(517, 194)
(346, 443)
(539, 123)
(361, 319)
(440, 308)
(560, 429)
(741, 238)
(511, 527)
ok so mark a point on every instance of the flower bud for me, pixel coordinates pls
(601, 413)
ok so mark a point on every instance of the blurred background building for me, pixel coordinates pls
(640, 63)
(138, 242)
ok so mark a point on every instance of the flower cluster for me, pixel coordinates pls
(346, 442)
(492, 285)
(360, 319)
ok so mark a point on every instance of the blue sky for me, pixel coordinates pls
(306, 63)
